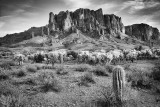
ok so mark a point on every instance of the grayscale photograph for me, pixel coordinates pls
(79, 53)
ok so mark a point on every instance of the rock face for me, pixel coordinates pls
(143, 32)
(113, 24)
(87, 21)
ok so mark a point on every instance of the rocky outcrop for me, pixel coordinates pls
(87, 21)
(113, 24)
(142, 32)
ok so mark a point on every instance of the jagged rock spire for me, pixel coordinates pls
(52, 22)
(67, 22)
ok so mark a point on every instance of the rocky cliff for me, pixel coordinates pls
(143, 32)
(87, 21)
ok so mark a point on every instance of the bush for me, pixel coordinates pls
(139, 79)
(3, 75)
(39, 58)
(6, 66)
(62, 72)
(109, 68)
(107, 93)
(39, 68)
(100, 71)
(19, 74)
(74, 54)
(139, 48)
(31, 69)
(61, 68)
(156, 73)
(83, 68)
(85, 79)
(48, 82)
(10, 95)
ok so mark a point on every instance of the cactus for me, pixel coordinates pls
(61, 58)
(118, 82)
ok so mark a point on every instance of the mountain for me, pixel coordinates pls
(142, 32)
(92, 24)
(19, 37)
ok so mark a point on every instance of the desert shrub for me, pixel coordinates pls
(139, 79)
(139, 48)
(60, 68)
(31, 69)
(62, 72)
(6, 88)
(83, 68)
(156, 73)
(5, 65)
(3, 75)
(38, 67)
(48, 82)
(11, 63)
(73, 53)
(39, 58)
(109, 98)
(20, 73)
(99, 70)
(85, 79)
(9, 101)
(109, 68)
(11, 96)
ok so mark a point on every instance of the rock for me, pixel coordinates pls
(67, 22)
(88, 21)
(143, 32)
(113, 24)
(52, 22)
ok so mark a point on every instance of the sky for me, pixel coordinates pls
(19, 15)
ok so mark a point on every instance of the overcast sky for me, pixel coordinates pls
(19, 15)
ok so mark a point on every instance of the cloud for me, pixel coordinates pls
(19, 15)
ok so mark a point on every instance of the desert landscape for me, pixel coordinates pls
(81, 58)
